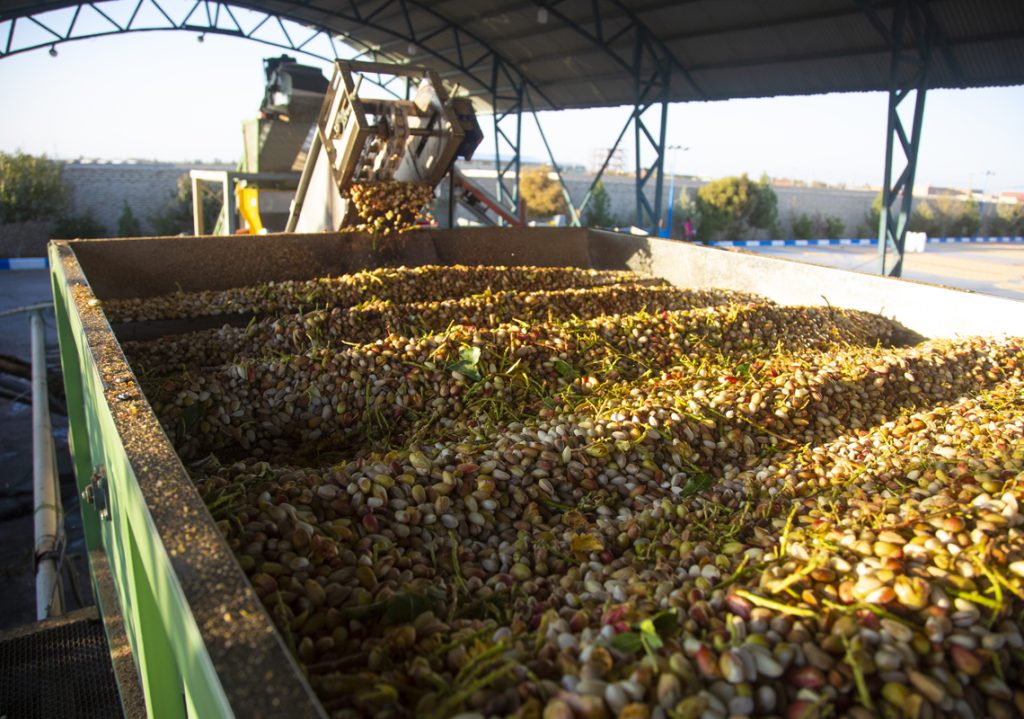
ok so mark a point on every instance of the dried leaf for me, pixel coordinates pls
(574, 519)
(583, 544)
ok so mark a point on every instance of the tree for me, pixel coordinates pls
(598, 213)
(732, 205)
(968, 221)
(31, 188)
(1008, 221)
(176, 217)
(924, 219)
(766, 208)
(127, 224)
(542, 195)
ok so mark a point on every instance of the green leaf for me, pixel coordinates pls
(665, 623)
(651, 642)
(697, 484)
(628, 642)
(566, 370)
(405, 607)
(469, 357)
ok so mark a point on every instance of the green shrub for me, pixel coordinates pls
(31, 188)
(598, 212)
(834, 227)
(79, 227)
(803, 227)
(127, 224)
(176, 217)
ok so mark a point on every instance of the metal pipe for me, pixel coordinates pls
(47, 513)
(307, 173)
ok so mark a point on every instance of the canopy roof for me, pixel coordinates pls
(591, 53)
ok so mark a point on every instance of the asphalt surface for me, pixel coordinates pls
(989, 268)
(17, 602)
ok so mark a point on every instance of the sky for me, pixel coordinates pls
(166, 96)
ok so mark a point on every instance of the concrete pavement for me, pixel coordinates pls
(992, 269)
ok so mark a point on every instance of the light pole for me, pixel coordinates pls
(667, 231)
(984, 189)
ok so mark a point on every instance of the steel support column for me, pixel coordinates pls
(910, 38)
(507, 101)
(652, 72)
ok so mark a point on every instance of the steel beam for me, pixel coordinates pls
(910, 40)
(508, 125)
(414, 24)
(50, 28)
(651, 76)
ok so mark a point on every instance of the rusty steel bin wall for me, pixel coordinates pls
(154, 266)
(178, 580)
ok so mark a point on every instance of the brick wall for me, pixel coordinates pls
(103, 188)
(849, 205)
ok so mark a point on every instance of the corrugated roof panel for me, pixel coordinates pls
(995, 62)
(730, 48)
(963, 20)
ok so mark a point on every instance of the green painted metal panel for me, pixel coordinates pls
(174, 656)
(77, 437)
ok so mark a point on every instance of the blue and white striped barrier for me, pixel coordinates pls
(25, 263)
(851, 241)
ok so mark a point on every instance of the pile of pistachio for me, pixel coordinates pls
(557, 493)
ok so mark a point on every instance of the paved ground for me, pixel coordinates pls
(992, 269)
(17, 601)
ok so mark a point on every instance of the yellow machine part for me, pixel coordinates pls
(249, 207)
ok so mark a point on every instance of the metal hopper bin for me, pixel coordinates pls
(183, 621)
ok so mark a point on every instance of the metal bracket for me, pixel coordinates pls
(97, 492)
